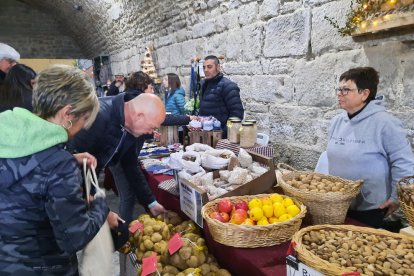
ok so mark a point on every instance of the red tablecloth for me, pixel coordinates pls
(239, 261)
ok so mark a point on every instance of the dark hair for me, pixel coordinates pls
(364, 78)
(212, 57)
(173, 81)
(139, 81)
(17, 87)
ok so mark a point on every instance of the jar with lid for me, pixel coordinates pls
(234, 135)
(229, 124)
(247, 135)
(254, 124)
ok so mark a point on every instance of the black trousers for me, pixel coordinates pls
(375, 218)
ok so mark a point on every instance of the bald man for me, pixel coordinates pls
(114, 138)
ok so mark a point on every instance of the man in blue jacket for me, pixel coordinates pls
(220, 97)
(115, 137)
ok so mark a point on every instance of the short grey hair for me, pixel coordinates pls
(62, 85)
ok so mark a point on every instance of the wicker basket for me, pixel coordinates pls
(250, 236)
(325, 267)
(406, 197)
(323, 208)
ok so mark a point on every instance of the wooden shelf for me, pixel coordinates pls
(386, 22)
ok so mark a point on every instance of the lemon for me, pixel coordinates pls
(285, 217)
(273, 220)
(279, 210)
(263, 221)
(256, 214)
(267, 211)
(293, 210)
(276, 198)
(267, 201)
(287, 202)
(255, 203)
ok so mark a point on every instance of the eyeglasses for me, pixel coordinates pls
(344, 91)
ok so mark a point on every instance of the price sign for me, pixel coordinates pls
(175, 243)
(191, 202)
(135, 227)
(149, 265)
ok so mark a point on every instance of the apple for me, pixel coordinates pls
(242, 205)
(217, 216)
(241, 212)
(238, 218)
(225, 216)
(225, 206)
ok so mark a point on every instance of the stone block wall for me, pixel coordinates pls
(34, 33)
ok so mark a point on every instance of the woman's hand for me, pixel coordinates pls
(91, 160)
(113, 219)
(391, 205)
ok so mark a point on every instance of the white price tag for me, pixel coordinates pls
(191, 203)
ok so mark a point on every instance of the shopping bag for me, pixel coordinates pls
(96, 258)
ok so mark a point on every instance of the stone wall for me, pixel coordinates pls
(284, 55)
(34, 33)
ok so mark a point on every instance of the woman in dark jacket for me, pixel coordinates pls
(44, 219)
(16, 90)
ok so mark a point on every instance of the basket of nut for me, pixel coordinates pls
(327, 197)
(405, 188)
(348, 249)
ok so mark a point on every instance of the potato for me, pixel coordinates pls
(148, 244)
(148, 230)
(185, 252)
(192, 262)
(156, 237)
(223, 272)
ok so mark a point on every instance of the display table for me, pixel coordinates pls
(239, 261)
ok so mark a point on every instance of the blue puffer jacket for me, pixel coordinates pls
(220, 97)
(44, 219)
(175, 101)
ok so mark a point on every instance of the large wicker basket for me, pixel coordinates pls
(325, 267)
(250, 236)
(323, 208)
(405, 188)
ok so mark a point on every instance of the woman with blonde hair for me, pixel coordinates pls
(45, 220)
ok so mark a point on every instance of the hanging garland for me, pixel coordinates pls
(365, 13)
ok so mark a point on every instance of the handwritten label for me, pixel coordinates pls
(135, 227)
(149, 265)
(175, 243)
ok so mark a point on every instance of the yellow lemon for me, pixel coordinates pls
(256, 214)
(273, 220)
(267, 201)
(285, 217)
(267, 211)
(263, 221)
(293, 210)
(255, 203)
(279, 210)
(276, 198)
(287, 202)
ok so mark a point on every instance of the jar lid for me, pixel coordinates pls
(247, 124)
(235, 121)
(250, 121)
(233, 118)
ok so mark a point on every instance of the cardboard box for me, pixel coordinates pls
(192, 198)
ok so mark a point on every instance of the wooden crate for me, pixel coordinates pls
(205, 137)
(169, 135)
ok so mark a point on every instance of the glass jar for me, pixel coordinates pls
(254, 124)
(228, 124)
(234, 135)
(247, 135)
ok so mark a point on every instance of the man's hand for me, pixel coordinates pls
(113, 219)
(91, 160)
(391, 205)
(157, 209)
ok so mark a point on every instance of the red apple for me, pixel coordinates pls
(241, 212)
(225, 206)
(217, 216)
(242, 205)
(225, 216)
(237, 218)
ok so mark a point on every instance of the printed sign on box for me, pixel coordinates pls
(295, 268)
(191, 202)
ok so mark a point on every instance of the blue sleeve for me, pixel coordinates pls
(399, 153)
(232, 100)
(74, 225)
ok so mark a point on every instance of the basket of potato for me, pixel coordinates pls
(405, 188)
(342, 249)
(327, 197)
(253, 220)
